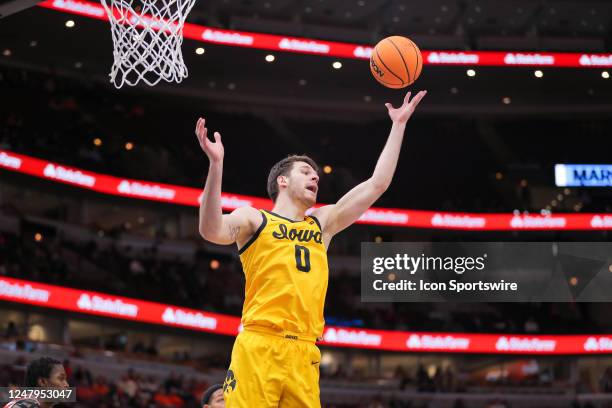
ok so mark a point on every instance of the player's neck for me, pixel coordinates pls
(287, 208)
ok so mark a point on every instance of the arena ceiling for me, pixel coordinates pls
(38, 39)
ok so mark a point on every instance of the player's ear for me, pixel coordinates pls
(282, 181)
(42, 382)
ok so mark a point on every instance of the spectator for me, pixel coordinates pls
(213, 397)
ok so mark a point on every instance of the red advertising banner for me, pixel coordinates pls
(94, 303)
(147, 190)
(355, 51)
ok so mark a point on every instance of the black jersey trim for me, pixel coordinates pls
(317, 221)
(280, 216)
(255, 235)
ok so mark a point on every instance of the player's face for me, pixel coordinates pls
(216, 400)
(303, 183)
(57, 378)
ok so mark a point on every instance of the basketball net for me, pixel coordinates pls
(147, 40)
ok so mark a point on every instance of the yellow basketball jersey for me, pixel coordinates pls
(285, 265)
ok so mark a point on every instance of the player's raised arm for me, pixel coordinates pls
(334, 218)
(214, 226)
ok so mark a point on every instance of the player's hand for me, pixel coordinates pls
(214, 150)
(403, 113)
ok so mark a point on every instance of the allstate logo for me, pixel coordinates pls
(84, 302)
(414, 342)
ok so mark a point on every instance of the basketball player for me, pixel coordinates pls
(275, 362)
(44, 372)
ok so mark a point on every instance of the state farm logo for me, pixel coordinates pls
(524, 344)
(23, 292)
(293, 44)
(227, 38)
(601, 221)
(384, 216)
(135, 188)
(363, 52)
(596, 60)
(453, 58)
(529, 221)
(598, 344)
(9, 161)
(70, 176)
(428, 342)
(81, 8)
(100, 304)
(357, 337)
(184, 318)
(457, 221)
(528, 59)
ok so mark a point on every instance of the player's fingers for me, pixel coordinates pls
(407, 97)
(217, 137)
(197, 128)
(202, 135)
(389, 106)
(419, 97)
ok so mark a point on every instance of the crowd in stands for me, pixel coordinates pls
(219, 287)
(134, 390)
(131, 390)
(60, 118)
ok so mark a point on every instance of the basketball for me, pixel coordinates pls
(396, 62)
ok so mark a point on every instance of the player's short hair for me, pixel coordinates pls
(209, 392)
(283, 168)
(39, 368)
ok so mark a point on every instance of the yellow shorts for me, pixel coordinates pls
(272, 370)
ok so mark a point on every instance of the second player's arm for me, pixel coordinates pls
(352, 205)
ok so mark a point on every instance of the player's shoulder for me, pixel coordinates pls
(23, 403)
(322, 214)
(248, 214)
(247, 211)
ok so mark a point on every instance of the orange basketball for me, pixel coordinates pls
(396, 62)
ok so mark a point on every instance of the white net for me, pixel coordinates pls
(147, 39)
